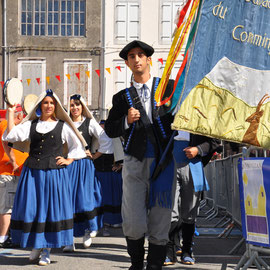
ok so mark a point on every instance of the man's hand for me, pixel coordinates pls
(133, 115)
(191, 152)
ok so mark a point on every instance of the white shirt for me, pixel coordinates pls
(21, 133)
(105, 143)
(147, 104)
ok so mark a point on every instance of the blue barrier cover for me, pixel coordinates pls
(254, 187)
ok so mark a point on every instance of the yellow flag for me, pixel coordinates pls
(28, 81)
(48, 80)
(68, 76)
(109, 70)
(87, 73)
(151, 63)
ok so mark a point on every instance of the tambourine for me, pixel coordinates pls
(29, 102)
(13, 91)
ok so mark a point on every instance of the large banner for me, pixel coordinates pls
(227, 78)
(254, 186)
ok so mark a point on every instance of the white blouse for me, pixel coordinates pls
(21, 133)
(105, 143)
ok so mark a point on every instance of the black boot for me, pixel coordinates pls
(171, 245)
(187, 236)
(156, 257)
(177, 238)
(135, 249)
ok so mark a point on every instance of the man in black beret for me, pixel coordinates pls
(147, 196)
(148, 50)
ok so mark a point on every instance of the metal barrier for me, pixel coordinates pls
(222, 176)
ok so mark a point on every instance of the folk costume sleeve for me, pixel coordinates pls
(104, 141)
(18, 133)
(75, 147)
(115, 124)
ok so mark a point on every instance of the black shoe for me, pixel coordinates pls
(8, 244)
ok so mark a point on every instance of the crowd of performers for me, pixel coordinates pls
(60, 194)
(67, 190)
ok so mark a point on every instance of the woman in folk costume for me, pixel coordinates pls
(109, 173)
(86, 190)
(42, 216)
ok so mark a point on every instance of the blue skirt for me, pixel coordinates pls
(111, 184)
(42, 213)
(86, 196)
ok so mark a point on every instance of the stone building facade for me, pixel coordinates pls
(53, 44)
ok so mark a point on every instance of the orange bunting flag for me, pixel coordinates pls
(28, 81)
(118, 67)
(48, 80)
(109, 70)
(78, 75)
(38, 80)
(98, 72)
(87, 73)
(151, 63)
(68, 76)
(2, 83)
(58, 78)
(161, 61)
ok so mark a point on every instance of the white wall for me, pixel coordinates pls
(149, 32)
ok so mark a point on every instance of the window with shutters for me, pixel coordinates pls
(52, 17)
(126, 21)
(168, 11)
(78, 74)
(32, 72)
(122, 75)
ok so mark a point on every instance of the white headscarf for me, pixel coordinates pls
(86, 113)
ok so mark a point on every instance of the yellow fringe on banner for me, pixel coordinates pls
(177, 44)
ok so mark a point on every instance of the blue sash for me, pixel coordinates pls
(199, 180)
(150, 151)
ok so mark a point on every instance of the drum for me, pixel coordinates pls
(13, 91)
(29, 102)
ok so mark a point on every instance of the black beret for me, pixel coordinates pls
(134, 44)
